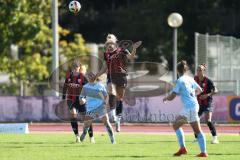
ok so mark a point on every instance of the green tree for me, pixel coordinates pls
(27, 24)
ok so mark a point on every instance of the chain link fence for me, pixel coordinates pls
(221, 54)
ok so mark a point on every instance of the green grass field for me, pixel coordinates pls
(129, 146)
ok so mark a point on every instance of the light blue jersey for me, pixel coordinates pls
(94, 93)
(185, 87)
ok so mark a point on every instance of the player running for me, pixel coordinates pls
(72, 88)
(116, 59)
(205, 99)
(94, 96)
(187, 88)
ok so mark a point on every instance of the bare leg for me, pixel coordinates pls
(87, 124)
(200, 136)
(208, 119)
(109, 129)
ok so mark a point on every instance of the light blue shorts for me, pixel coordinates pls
(98, 112)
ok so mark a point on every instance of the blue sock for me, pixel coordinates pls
(202, 142)
(180, 137)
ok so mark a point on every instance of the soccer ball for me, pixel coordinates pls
(74, 6)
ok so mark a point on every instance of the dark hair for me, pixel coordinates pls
(182, 67)
(76, 64)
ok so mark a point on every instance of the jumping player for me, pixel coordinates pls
(72, 88)
(94, 95)
(116, 59)
(205, 99)
(187, 88)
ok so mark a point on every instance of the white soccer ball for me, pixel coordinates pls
(74, 6)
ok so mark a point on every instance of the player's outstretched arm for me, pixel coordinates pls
(132, 55)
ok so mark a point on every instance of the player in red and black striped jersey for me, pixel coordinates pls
(205, 99)
(116, 59)
(74, 82)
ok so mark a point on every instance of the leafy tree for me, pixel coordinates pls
(27, 24)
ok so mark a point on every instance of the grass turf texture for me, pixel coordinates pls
(129, 146)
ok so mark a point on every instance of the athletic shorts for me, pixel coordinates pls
(205, 109)
(76, 105)
(120, 80)
(98, 112)
(191, 114)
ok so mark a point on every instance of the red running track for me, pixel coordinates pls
(130, 128)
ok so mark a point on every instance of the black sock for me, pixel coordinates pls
(195, 135)
(119, 108)
(90, 131)
(74, 125)
(112, 101)
(212, 128)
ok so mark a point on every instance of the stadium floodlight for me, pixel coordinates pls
(175, 20)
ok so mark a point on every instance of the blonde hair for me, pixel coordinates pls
(203, 65)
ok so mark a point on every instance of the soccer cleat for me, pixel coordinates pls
(78, 139)
(113, 140)
(202, 155)
(215, 140)
(180, 152)
(92, 140)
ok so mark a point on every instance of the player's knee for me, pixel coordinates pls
(175, 127)
(73, 115)
(104, 121)
(87, 124)
(73, 119)
(110, 89)
(119, 97)
(110, 92)
(209, 123)
(208, 119)
(197, 132)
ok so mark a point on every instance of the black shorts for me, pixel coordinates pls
(205, 109)
(118, 79)
(77, 106)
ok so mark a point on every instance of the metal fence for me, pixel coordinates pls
(221, 54)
